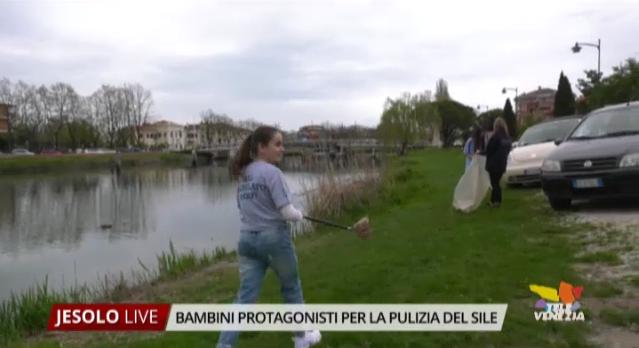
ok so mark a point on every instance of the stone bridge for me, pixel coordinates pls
(332, 148)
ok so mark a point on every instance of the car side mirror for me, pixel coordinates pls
(558, 141)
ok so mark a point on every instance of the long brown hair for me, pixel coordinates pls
(500, 127)
(248, 149)
(478, 137)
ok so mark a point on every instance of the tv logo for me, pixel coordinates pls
(562, 305)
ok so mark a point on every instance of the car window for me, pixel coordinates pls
(609, 123)
(548, 131)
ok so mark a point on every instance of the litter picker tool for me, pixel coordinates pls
(361, 227)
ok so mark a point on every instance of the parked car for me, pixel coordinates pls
(129, 149)
(97, 151)
(599, 159)
(525, 160)
(21, 152)
(51, 152)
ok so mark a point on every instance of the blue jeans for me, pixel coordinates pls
(259, 250)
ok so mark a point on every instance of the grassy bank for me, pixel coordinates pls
(26, 314)
(422, 252)
(51, 164)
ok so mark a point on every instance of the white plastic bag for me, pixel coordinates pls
(473, 186)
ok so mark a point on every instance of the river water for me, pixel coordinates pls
(74, 228)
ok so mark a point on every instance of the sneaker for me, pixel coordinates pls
(310, 338)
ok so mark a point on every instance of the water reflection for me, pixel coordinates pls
(78, 227)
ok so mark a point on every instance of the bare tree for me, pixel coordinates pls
(141, 103)
(113, 113)
(249, 124)
(6, 95)
(220, 129)
(77, 121)
(62, 98)
(214, 125)
(106, 105)
(21, 95)
(36, 113)
(95, 117)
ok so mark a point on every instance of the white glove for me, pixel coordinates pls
(291, 214)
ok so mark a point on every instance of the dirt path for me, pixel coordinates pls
(610, 236)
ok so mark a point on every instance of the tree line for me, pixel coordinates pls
(597, 90)
(421, 118)
(621, 86)
(417, 118)
(57, 117)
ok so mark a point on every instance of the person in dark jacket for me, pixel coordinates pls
(497, 151)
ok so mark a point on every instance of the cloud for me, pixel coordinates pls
(299, 62)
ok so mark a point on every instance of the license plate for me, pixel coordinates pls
(532, 171)
(587, 183)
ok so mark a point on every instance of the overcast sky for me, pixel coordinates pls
(300, 62)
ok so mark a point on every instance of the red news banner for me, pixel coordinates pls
(277, 317)
(109, 317)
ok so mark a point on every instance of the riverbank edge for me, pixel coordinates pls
(86, 162)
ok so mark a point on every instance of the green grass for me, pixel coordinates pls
(171, 264)
(633, 280)
(620, 318)
(604, 290)
(27, 313)
(607, 257)
(50, 164)
(422, 251)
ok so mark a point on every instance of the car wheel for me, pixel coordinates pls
(560, 203)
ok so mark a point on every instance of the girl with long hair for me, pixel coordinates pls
(497, 151)
(264, 201)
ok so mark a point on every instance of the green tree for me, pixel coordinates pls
(510, 118)
(619, 87)
(83, 134)
(399, 124)
(487, 118)
(425, 111)
(564, 98)
(454, 119)
(406, 120)
(427, 117)
(4, 142)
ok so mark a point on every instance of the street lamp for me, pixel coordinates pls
(577, 48)
(482, 106)
(506, 89)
